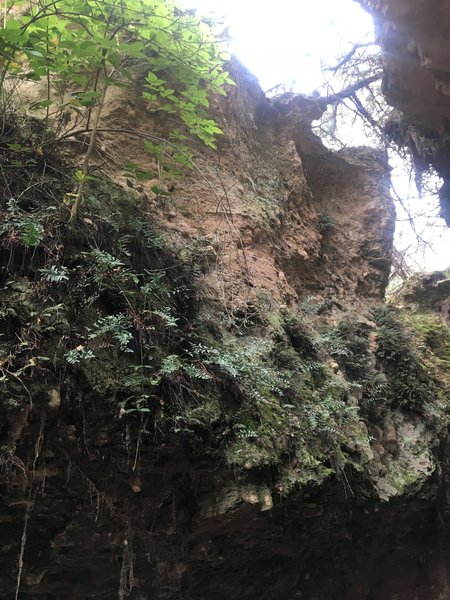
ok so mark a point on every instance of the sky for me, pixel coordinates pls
(287, 43)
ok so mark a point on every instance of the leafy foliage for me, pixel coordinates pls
(55, 274)
(412, 387)
(326, 222)
(81, 48)
(115, 329)
(348, 344)
(19, 223)
(93, 44)
(75, 356)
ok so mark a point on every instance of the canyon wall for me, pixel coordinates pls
(203, 391)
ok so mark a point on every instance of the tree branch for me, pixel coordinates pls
(351, 89)
(349, 55)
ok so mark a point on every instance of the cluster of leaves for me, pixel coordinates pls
(310, 307)
(326, 222)
(81, 48)
(206, 370)
(93, 44)
(299, 409)
(348, 344)
(28, 231)
(398, 378)
(411, 385)
(258, 400)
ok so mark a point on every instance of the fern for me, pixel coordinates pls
(55, 274)
(77, 355)
(115, 327)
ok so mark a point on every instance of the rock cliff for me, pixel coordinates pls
(203, 391)
(414, 39)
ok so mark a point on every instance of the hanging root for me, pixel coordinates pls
(126, 582)
(39, 439)
(23, 542)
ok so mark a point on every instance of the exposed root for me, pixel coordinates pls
(39, 439)
(126, 582)
(23, 541)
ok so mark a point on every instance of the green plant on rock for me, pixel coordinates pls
(17, 222)
(281, 402)
(108, 272)
(412, 387)
(326, 222)
(300, 340)
(376, 394)
(77, 355)
(113, 329)
(434, 332)
(310, 307)
(82, 48)
(432, 336)
(55, 273)
(348, 344)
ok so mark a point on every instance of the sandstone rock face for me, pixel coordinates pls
(275, 204)
(290, 458)
(414, 37)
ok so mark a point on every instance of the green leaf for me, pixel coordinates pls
(40, 104)
(132, 171)
(19, 147)
(34, 53)
(89, 44)
(159, 191)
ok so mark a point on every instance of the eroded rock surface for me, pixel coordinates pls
(414, 37)
(209, 408)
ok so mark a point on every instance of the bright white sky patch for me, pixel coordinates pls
(288, 42)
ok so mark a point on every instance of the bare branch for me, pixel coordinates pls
(364, 113)
(399, 264)
(351, 89)
(349, 55)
